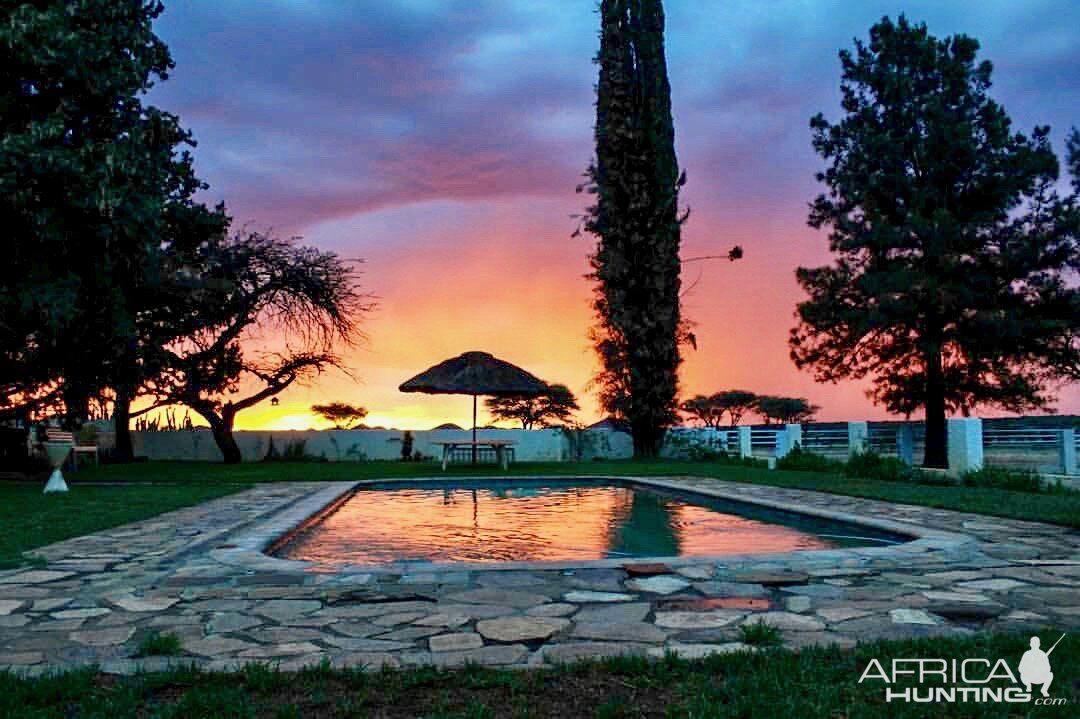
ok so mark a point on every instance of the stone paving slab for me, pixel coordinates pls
(201, 573)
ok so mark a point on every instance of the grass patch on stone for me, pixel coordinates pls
(760, 634)
(160, 645)
(816, 682)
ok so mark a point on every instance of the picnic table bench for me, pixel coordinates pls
(502, 456)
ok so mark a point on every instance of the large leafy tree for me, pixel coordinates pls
(636, 178)
(949, 288)
(553, 408)
(94, 186)
(262, 314)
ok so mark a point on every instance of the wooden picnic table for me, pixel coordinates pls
(499, 445)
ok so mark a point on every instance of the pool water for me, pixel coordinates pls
(514, 520)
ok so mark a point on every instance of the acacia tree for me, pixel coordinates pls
(952, 247)
(736, 402)
(635, 177)
(710, 410)
(553, 408)
(253, 289)
(703, 409)
(341, 414)
(785, 410)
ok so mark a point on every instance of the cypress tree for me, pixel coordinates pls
(636, 266)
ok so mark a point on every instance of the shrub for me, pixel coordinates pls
(871, 465)
(802, 460)
(407, 446)
(1017, 480)
(693, 447)
(932, 479)
(294, 451)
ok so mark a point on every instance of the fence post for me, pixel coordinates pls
(788, 439)
(905, 444)
(1067, 451)
(746, 449)
(857, 434)
(965, 445)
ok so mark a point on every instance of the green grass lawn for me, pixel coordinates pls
(817, 682)
(31, 519)
(1054, 508)
(28, 519)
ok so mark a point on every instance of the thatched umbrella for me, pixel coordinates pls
(476, 373)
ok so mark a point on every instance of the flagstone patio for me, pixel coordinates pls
(199, 573)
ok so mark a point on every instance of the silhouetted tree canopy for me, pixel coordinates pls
(736, 403)
(267, 313)
(703, 409)
(341, 414)
(554, 408)
(950, 286)
(710, 410)
(785, 410)
(95, 189)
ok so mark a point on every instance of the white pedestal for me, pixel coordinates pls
(56, 483)
(57, 453)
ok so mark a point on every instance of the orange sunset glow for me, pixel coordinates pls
(448, 161)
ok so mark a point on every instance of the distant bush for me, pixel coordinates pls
(294, 452)
(802, 460)
(871, 465)
(407, 446)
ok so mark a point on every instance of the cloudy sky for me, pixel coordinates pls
(441, 141)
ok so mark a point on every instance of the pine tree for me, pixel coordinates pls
(952, 249)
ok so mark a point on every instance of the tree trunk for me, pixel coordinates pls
(648, 439)
(227, 442)
(937, 449)
(222, 429)
(223, 436)
(124, 450)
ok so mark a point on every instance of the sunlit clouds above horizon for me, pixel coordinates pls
(442, 142)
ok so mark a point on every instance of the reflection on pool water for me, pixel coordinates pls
(514, 520)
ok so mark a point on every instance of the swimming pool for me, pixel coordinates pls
(553, 520)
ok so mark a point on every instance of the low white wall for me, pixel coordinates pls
(542, 445)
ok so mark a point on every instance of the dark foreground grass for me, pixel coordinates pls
(775, 683)
(30, 519)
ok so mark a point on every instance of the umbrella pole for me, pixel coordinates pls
(474, 429)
